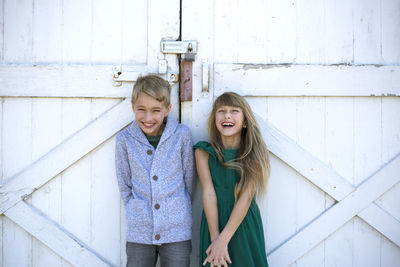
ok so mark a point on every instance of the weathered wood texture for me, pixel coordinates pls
(59, 113)
(322, 77)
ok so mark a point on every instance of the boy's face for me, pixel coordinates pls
(150, 114)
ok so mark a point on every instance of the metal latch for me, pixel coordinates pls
(120, 75)
(188, 48)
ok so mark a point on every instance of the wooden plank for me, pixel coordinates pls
(367, 31)
(366, 158)
(307, 80)
(339, 147)
(134, 39)
(107, 31)
(390, 254)
(47, 25)
(61, 81)
(18, 31)
(16, 140)
(390, 23)
(225, 31)
(338, 33)
(54, 236)
(17, 245)
(306, 164)
(281, 31)
(163, 23)
(283, 181)
(17, 153)
(251, 31)
(310, 121)
(104, 197)
(77, 33)
(384, 221)
(75, 189)
(335, 217)
(46, 133)
(64, 155)
(310, 23)
(2, 32)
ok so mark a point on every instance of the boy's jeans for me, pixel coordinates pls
(171, 254)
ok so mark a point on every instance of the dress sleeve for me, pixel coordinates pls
(206, 146)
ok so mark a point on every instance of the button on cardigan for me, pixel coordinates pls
(156, 184)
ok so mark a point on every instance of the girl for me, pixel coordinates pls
(232, 168)
(154, 165)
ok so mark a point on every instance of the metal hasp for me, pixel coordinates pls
(189, 50)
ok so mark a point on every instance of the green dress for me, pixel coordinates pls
(247, 246)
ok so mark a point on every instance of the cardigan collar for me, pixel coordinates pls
(138, 134)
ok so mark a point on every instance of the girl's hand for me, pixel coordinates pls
(218, 253)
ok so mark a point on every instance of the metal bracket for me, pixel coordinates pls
(188, 48)
(127, 75)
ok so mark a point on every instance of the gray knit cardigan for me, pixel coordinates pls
(156, 184)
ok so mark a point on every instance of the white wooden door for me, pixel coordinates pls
(59, 199)
(323, 78)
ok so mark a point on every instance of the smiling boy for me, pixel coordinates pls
(154, 165)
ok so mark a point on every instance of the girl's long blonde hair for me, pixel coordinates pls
(252, 160)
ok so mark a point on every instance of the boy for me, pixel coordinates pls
(154, 165)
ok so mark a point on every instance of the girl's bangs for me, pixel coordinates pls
(228, 100)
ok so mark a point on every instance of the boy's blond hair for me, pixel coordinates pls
(154, 86)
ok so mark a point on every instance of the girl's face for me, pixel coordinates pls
(229, 121)
(150, 114)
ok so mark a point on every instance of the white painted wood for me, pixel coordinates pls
(310, 201)
(77, 32)
(339, 247)
(343, 137)
(306, 164)
(17, 245)
(366, 255)
(251, 21)
(17, 153)
(64, 155)
(2, 32)
(281, 32)
(367, 159)
(390, 254)
(46, 133)
(367, 112)
(163, 23)
(62, 81)
(1, 169)
(104, 197)
(332, 219)
(18, 31)
(338, 31)
(54, 236)
(367, 31)
(47, 31)
(76, 182)
(16, 144)
(283, 181)
(107, 33)
(225, 32)
(384, 221)
(390, 23)
(134, 13)
(310, 23)
(307, 80)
